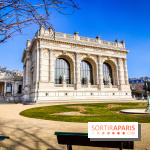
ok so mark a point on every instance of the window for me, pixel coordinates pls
(62, 67)
(9, 88)
(107, 74)
(86, 71)
(19, 89)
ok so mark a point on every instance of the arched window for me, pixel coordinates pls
(62, 67)
(107, 74)
(86, 71)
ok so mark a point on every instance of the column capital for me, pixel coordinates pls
(77, 53)
(41, 49)
(51, 49)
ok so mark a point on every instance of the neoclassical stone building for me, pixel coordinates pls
(59, 66)
(10, 85)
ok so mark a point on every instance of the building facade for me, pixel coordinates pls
(60, 66)
(10, 85)
(136, 85)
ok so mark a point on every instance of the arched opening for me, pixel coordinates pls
(86, 72)
(62, 67)
(107, 74)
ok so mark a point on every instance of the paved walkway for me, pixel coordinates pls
(36, 134)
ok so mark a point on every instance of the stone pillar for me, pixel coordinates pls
(24, 76)
(120, 75)
(119, 72)
(51, 67)
(76, 35)
(125, 71)
(40, 63)
(98, 39)
(123, 43)
(77, 71)
(28, 80)
(100, 73)
(37, 71)
(74, 76)
(28, 72)
(5, 88)
(42, 30)
(12, 92)
(37, 63)
(117, 42)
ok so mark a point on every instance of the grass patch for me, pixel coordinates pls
(102, 112)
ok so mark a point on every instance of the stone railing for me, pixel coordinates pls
(114, 86)
(58, 85)
(84, 85)
(106, 86)
(93, 86)
(73, 38)
(70, 85)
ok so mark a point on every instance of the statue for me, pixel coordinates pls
(87, 79)
(64, 79)
(109, 80)
(147, 90)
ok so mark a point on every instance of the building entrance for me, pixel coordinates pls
(1, 88)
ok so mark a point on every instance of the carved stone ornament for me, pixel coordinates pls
(45, 54)
(64, 52)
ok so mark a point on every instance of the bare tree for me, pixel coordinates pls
(18, 14)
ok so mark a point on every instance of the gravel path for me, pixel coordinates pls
(36, 134)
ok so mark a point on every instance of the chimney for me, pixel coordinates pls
(5, 68)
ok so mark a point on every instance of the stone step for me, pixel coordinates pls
(81, 101)
(2, 100)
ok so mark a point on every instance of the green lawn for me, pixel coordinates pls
(96, 112)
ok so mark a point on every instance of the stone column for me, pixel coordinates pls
(37, 67)
(28, 80)
(74, 75)
(100, 73)
(51, 66)
(37, 63)
(5, 88)
(12, 92)
(120, 75)
(28, 72)
(40, 63)
(125, 71)
(119, 72)
(24, 76)
(77, 71)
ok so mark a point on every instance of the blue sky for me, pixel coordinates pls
(127, 20)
